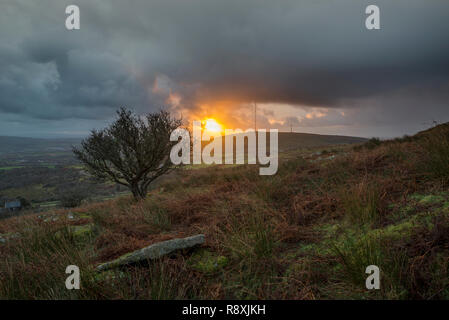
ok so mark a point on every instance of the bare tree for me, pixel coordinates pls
(133, 151)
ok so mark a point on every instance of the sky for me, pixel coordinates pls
(309, 66)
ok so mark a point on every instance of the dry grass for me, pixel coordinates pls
(306, 233)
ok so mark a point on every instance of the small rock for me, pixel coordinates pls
(153, 251)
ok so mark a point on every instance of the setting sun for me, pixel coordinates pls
(212, 125)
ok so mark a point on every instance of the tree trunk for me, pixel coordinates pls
(138, 192)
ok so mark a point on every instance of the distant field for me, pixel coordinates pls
(50, 166)
(10, 168)
(19, 144)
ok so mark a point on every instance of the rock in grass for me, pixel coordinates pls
(154, 251)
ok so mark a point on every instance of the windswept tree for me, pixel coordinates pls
(133, 151)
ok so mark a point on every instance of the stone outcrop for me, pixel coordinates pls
(154, 251)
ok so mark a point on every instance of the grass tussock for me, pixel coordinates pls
(362, 203)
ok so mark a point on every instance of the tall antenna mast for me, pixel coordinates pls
(255, 113)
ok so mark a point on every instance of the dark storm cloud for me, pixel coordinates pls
(304, 53)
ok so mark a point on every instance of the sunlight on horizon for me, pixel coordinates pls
(212, 125)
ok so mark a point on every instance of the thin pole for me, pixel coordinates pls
(255, 113)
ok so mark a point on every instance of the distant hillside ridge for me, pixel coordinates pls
(20, 144)
(437, 128)
(294, 140)
(287, 141)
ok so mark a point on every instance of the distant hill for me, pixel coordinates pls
(287, 141)
(20, 144)
(291, 141)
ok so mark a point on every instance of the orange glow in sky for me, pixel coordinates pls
(212, 125)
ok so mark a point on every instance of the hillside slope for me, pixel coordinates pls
(291, 141)
(308, 232)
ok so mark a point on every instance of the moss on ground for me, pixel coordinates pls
(207, 261)
(82, 232)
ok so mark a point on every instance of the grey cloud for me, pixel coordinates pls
(302, 53)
